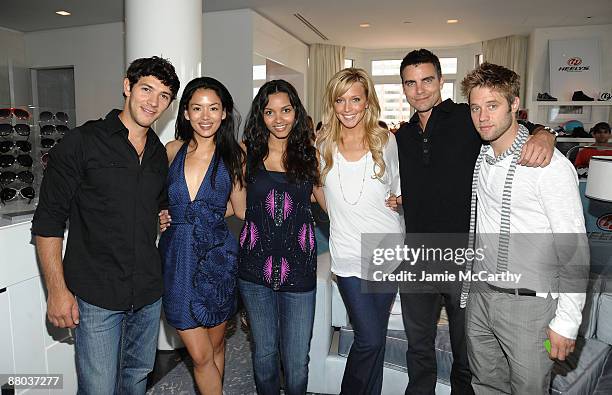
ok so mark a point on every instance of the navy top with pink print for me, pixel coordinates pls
(278, 247)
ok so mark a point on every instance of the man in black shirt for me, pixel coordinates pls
(108, 178)
(437, 152)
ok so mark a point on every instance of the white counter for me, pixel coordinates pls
(28, 343)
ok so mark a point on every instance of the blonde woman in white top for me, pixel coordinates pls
(360, 170)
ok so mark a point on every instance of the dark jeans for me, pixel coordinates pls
(369, 316)
(279, 319)
(420, 312)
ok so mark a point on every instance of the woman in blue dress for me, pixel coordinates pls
(199, 253)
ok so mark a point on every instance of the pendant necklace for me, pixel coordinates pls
(365, 167)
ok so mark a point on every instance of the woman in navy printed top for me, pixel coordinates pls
(278, 254)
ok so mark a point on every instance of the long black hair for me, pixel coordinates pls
(226, 145)
(299, 159)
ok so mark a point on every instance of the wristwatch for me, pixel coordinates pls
(551, 131)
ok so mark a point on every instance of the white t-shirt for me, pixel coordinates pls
(356, 205)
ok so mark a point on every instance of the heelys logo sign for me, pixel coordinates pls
(574, 64)
(605, 222)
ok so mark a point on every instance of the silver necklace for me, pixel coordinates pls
(365, 167)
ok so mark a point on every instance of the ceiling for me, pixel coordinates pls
(393, 23)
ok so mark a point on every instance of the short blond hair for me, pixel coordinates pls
(498, 78)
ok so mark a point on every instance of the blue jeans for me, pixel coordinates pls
(115, 350)
(282, 319)
(369, 316)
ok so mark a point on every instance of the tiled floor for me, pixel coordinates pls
(173, 369)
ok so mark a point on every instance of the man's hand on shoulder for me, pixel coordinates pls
(538, 150)
(62, 308)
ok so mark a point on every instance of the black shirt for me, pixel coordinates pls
(437, 183)
(436, 168)
(278, 248)
(95, 180)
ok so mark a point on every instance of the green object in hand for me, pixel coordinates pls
(547, 345)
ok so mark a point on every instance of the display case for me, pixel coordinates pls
(27, 133)
(555, 113)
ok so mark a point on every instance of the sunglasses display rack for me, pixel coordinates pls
(27, 134)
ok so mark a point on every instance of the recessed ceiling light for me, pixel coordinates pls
(62, 13)
(451, 21)
(364, 25)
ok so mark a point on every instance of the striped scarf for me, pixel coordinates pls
(504, 229)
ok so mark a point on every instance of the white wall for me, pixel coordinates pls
(13, 52)
(274, 43)
(538, 81)
(538, 64)
(228, 53)
(97, 54)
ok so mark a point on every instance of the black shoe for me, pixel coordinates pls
(545, 97)
(580, 96)
(605, 96)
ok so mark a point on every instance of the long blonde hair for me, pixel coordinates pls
(375, 138)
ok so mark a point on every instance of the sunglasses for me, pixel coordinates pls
(21, 145)
(19, 113)
(47, 116)
(44, 159)
(8, 194)
(24, 176)
(21, 129)
(47, 130)
(48, 143)
(23, 160)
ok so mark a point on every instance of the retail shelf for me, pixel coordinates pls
(574, 103)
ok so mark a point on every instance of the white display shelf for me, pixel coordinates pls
(573, 103)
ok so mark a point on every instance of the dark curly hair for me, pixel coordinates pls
(226, 145)
(157, 67)
(299, 159)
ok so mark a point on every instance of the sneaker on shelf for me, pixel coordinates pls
(580, 96)
(561, 132)
(545, 97)
(605, 96)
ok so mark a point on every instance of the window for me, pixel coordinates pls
(348, 63)
(448, 90)
(449, 65)
(259, 72)
(259, 77)
(393, 105)
(478, 60)
(386, 67)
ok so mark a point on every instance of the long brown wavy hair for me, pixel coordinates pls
(375, 138)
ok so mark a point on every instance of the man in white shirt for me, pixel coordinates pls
(529, 221)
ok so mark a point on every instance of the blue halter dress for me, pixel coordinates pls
(199, 253)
